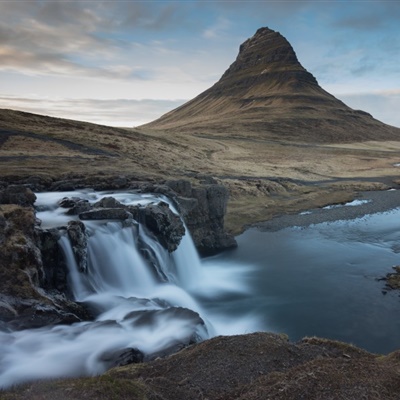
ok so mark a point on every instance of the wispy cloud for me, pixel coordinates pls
(369, 16)
(118, 112)
(217, 29)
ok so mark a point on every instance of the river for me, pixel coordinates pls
(306, 280)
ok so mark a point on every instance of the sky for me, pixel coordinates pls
(125, 63)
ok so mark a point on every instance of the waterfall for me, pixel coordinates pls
(142, 297)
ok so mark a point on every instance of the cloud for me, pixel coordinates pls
(218, 29)
(43, 63)
(78, 38)
(118, 112)
(371, 16)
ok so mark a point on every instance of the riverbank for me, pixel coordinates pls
(370, 202)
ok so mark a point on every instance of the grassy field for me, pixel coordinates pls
(265, 177)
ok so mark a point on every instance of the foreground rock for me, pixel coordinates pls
(245, 367)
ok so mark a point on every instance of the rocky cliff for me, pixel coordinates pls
(34, 290)
(266, 93)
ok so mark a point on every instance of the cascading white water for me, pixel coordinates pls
(136, 306)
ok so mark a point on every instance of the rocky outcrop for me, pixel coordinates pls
(75, 205)
(33, 275)
(28, 296)
(157, 218)
(77, 235)
(163, 223)
(119, 214)
(203, 209)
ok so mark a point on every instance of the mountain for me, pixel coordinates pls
(267, 93)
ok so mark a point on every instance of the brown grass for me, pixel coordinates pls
(252, 168)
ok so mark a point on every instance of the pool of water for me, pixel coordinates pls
(319, 280)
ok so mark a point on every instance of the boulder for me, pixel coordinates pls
(75, 205)
(122, 357)
(163, 223)
(108, 202)
(69, 202)
(106, 213)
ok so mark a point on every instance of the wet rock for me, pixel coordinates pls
(55, 269)
(35, 314)
(195, 327)
(69, 202)
(106, 213)
(122, 357)
(108, 202)
(75, 205)
(78, 237)
(164, 224)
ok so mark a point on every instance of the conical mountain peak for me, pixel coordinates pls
(266, 93)
(266, 48)
(267, 59)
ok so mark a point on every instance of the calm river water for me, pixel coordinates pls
(319, 280)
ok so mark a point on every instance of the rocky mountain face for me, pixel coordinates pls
(267, 93)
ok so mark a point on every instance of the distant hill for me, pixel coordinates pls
(266, 92)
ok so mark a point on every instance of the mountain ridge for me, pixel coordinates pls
(267, 92)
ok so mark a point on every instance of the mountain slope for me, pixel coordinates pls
(267, 93)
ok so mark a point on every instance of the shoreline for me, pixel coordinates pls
(378, 201)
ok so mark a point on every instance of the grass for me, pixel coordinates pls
(252, 165)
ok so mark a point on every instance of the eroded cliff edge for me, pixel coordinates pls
(34, 290)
